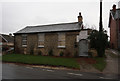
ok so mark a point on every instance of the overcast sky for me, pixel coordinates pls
(17, 14)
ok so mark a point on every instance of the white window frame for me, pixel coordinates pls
(39, 40)
(77, 38)
(61, 46)
(23, 45)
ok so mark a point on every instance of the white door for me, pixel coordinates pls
(83, 47)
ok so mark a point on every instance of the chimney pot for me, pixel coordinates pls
(114, 7)
(80, 17)
(79, 13)
(10, 34)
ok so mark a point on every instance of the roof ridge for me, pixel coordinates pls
(51, 24)
(6, 35)
(116, 9)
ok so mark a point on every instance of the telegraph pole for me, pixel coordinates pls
(100, 23)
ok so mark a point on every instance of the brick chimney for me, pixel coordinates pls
(114, 8)
(80, 19)
(10, 34)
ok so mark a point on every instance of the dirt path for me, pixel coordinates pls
(112, 63)
(85, 67)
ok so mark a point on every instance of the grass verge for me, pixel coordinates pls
(100, 63)
(41, 60)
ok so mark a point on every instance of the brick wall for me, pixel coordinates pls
(113, 34)
(17, 44)
(119, 34)
(51, 42)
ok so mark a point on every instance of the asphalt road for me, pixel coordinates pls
(12, 71)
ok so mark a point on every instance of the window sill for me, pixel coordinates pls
(61, 46)
(24, 45)
(40, 46)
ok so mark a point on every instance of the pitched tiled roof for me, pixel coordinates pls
(50, 28)
(115, 15)
(7, 38)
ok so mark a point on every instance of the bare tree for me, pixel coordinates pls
(93, 27)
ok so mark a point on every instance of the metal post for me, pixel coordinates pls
(100, 23)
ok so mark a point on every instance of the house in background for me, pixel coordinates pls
(119, 4)
(114, 25)
(64, 37)
(6, 41)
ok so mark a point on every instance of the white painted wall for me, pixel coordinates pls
(83, 35)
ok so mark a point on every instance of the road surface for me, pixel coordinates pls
(13, 71)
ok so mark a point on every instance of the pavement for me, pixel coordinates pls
(114, 51)
(112, 65)
(112, 62)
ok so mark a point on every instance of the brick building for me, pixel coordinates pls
(59, 38)
(114, 25)
(119, 4)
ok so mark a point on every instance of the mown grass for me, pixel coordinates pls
(100, 63)
(41, 60)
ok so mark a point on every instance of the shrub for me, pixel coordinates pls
(61, 53)
(119, 50)
(40, 53)
(92, 53)
(76, 54)
(17, 50)
(50, 52)
(31, 52)
(5, 48)
(99, 41)
(32, 49)
(67, 53)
